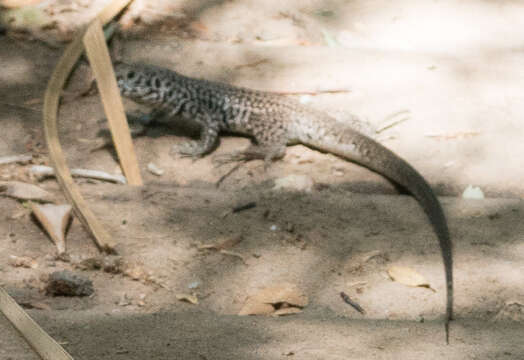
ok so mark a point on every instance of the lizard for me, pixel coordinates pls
(274, 121)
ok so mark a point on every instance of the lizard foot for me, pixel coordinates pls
(192, 149)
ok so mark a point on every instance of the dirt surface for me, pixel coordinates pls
(433, 65)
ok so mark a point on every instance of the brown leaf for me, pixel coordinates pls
(24, 191)
(265, 301)
(408, 276)
(252, 307)
(54, 219)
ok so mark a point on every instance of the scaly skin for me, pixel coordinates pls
(273, 122)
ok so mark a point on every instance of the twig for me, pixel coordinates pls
(390, 121)
(348, 300)
(15, 158)
(44, 171)
(243, 207)
(226, 175)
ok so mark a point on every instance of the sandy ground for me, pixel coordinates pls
(434, 64)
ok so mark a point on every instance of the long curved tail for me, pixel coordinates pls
(333, 137)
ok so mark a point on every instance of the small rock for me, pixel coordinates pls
(23, 261)
(155, 170)
(294, 182)
(67, 283)
(473, 192)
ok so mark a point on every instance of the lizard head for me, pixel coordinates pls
(141, 83)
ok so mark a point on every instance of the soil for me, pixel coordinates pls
(456, 89)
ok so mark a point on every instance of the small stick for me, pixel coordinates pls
(15, 159)
(348, 300)
(43, 171)
(226, 175)
(247, 206)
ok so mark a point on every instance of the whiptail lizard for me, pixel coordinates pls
(274, 121)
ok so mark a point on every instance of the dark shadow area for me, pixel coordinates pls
(203, 335)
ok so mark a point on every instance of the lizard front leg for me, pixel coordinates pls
(206, 143)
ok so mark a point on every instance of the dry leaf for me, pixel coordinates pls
(24, 191)
(188, 298)
(252, 307)
(269, 300)
(408, 276)
(54, 219)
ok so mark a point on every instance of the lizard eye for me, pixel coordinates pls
(131, 75)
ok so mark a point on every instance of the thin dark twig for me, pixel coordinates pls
(223, 177)
(348, 300)
(243, 207)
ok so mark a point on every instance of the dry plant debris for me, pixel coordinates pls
(281, 299)
(54, 219)
(23, 261)
(190, 298)
(408, 276)
(24, 191)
